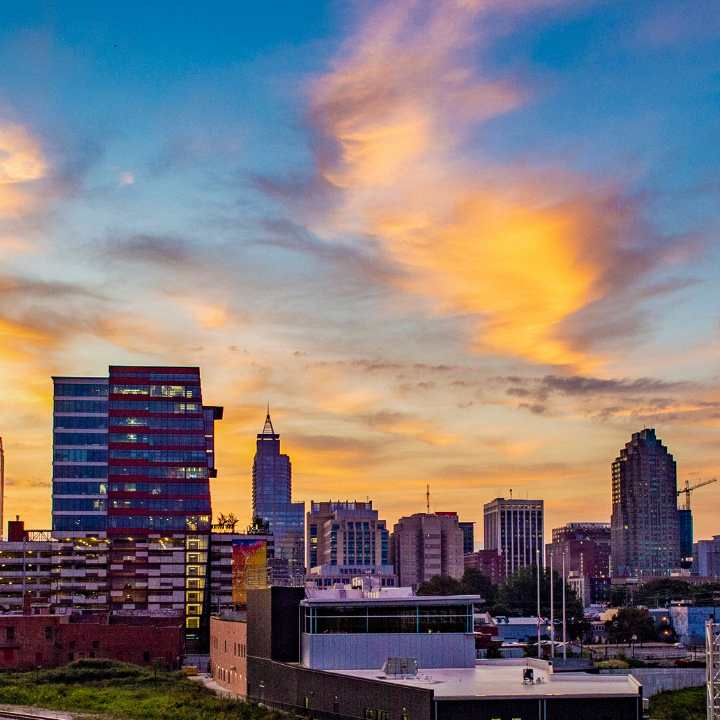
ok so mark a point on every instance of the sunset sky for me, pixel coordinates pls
(465, 243)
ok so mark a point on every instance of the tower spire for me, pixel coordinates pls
(268, 429)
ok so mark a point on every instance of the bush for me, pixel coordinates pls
(686, 704)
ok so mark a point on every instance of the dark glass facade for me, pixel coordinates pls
(272, 498)
(133, 455)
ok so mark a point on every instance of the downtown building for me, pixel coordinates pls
(514, 530)
(272, 500)
(424, 545)
(132, 458)
(585, 548)
(645, 526)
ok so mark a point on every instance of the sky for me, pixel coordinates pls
(470, 244)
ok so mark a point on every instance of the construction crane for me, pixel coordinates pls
(688, 489)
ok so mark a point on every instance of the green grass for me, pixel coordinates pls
(686, 704)
(121, 690)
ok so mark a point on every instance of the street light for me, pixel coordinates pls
(634, 640)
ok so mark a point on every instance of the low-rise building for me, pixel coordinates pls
(330, 575)
(489, 562)
(31, 641)
(228, 651)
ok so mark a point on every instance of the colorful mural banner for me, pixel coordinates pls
(249, 567)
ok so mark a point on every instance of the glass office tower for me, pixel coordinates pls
(133, 455)
(272, 499)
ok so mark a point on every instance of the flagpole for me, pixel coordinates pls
(538, 603)
(564, 624)
(552, 608)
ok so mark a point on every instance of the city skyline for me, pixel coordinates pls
(471, 245)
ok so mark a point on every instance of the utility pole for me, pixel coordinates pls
(552, 609)
(2, 486)
(538, 603)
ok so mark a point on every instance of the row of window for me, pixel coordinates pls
(164, 504)
(80, 406)
(162, 472)
(176, 408)
(173, 391)
(94, 439)
(79, 522)
(81, 504)
(161, 423)
(180, 523)
(80, 422)
(81, 390)
(195, 440)
(160, 377)
(160, 455)
(162, 488)
(73, 455)
(80, 471)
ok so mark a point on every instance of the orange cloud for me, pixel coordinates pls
(521, 252)
(20, 161)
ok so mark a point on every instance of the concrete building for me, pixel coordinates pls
(585, 548)
(228, 652)
(326, 576)
(401, 687)
(272, 499)
(424, 545)
(645, 527)
(346, 534)
(515, 529)
(689, 623)
(354, 629)
(489, 562)
(31, 641)
(708, 557)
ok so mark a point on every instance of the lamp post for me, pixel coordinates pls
(634, 640)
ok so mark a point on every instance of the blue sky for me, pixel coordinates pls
(445, 240)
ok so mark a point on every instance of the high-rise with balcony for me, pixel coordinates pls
(514, 528)
(132, 458)
(645, 527)
(346, 534)
(272, 498)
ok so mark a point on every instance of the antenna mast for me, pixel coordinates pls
(427, 496)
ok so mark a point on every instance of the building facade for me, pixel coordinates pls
(424, 545)
(585, 548)
(347, 534)
(645, 527)
(515, 529)
(489, 562)
(272, 498)
(132, 458)
(228, 652)
(708, 557)
(468, 530)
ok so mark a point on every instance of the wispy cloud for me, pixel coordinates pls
(522, 250)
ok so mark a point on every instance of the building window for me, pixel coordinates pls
(48, 633)
(146, 656)
(10, 633)
(71, 656)
(370, 714)
(96, 644)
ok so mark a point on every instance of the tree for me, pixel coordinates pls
(473, 583)
(478, 584)
(518, 597)
(441, 585)
(630, 622)
(228, 521)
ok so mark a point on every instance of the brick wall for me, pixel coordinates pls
(228, 654)
(48, 641)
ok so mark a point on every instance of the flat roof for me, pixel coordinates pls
(413, 600)
(503, 679)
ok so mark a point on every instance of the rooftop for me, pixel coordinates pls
(385, 597)
(504, 679)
